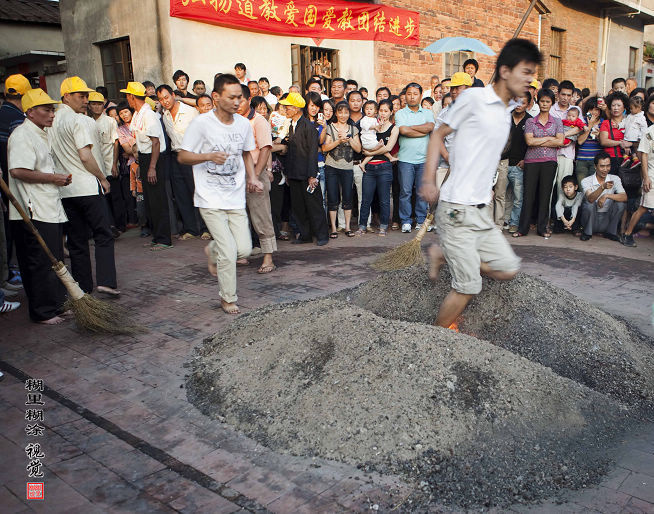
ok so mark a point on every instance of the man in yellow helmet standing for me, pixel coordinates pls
(73, 148)
(36, 186)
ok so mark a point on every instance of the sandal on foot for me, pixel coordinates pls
(159, 246)
(186, 236)
(268, 268)
(518, 234)
(108, 291)
(205, 236)
(333, 235)
(349, 233)
(283, 236)
(382, 232)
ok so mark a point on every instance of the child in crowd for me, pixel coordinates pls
(635, 126)
(279, 122)
(447, 100)
(573, 119)
(136, 187)
(567, 207)
(369, 126)
(427, 103)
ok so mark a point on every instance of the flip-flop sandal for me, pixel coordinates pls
(333, 235)
(518, 234)
(206, 236)
(108, 291)
(266, 269)
(186, 236)
(242, 262)
(349, 233)
(158, 247)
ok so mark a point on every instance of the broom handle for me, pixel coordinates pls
(28, 221)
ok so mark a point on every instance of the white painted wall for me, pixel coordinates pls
(622, 34)
(202, 50)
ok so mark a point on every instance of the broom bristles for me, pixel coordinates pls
(407, 254)
(101, 317)
(404, 256)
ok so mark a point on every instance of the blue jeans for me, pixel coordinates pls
(378, 177)
(338, 181)
(410, 175)
(515, 179)
(321, 178)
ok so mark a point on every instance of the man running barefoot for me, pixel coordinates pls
(217, 144)
(471, 244)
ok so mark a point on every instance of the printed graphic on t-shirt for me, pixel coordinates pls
(223, 176)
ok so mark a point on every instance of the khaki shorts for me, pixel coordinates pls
(469, 237)
(647, 199)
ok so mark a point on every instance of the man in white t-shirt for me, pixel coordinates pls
(217, 144)
(177, 116)
(36, 186)
(76, 151)
(150, 144)
(471, 243)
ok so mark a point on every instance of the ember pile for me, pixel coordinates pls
(529, 406)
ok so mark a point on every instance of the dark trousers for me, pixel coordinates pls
(118, 201)
(307, 210)
(395, 188)
(88, 215)
(156, 200)
(181, 180)
(45, 292)
(377, 179)
(567, 214)
(337, 181)
(537, 181)
(605, 222)
(279, 200)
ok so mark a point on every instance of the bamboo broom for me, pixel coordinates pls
(407, 254)
(90, 313)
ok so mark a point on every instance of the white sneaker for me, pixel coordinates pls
(430, 228)
(9, 306)
(406, 227)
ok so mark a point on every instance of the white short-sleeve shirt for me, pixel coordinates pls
(146, 124)
(68, 134)
(176, 127)
(29, 148)
(647, 146)
(219, 186)
(108, 132)
(590, 184)
(482, 122)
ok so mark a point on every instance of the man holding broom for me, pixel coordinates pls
(471, 244)
(36, 186)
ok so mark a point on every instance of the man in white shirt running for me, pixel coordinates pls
(471, 243)
(218, 145)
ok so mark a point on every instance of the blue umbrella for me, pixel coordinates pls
(453, 44)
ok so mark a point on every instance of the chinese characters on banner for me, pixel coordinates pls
(318, 19)
(34, 428)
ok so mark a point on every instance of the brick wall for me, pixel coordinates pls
(493, 22)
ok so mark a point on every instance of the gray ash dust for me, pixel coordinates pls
(528, 401)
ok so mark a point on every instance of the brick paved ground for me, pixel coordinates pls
(121, 436)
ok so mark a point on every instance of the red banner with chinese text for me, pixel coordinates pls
(320, 19)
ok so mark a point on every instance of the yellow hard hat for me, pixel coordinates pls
(134, 88)
(74, 85)
(36, 97)
(17, 85)
(96, 97)
(294, 99)
(461, 78)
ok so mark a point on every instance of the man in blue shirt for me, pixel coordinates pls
(11, 116)
(415, 124)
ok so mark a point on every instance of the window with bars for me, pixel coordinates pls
(307, 61)
(556, 54)
(453, 62)
(116, 65)
(633, 59)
